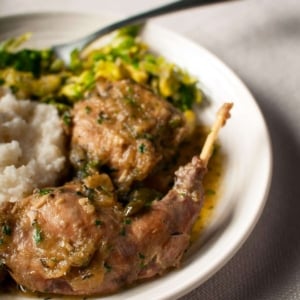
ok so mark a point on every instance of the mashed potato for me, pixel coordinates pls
(32, 147)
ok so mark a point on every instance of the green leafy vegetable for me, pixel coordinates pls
(38, 74)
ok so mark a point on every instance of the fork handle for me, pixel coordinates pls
(141, 17)
(158, 11)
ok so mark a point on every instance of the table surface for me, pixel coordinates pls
(260, 41)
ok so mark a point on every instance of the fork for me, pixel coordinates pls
(62, 51)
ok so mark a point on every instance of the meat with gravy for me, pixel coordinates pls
(76, 239)
(63, 242)
(126, 128)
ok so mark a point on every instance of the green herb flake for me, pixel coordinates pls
(146, 136)
(66, 117)
(90, 194)
(142, 148)
(37, 233)
(98, 222)
(6, 229)
(123, 231)
(131, 30)
(142, 260)
(88, 109)
(107, 267)
(102, 117)
(43, 192)
(79, 193)
(127, 221)
(210, 192)
(175, 122)
(216, 149)
(182, 194)
(130, 101)
(14, 89)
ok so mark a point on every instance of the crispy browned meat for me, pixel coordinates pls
(76, 240)
(127, 128)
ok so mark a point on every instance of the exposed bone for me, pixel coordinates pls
(222, 116)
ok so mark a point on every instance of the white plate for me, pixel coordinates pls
(245, 140)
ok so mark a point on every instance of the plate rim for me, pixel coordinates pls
(235, 248)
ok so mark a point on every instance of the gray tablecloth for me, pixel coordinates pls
(260, 41)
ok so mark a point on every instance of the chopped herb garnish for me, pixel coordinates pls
(66, 117)
(79, 193)
(129, 90)
(88, 109)
(146, 136)
(102, 117)
(123, 231)
(14, 89)
(210, 192)
(90, 193)
(37, 232)
(142, 148)
(43, 192)
(98, 222)
(107, 267)
(6, 229)
(141, 256)
(175, 122)
(127, 221)
(216, 149)
(130, 100)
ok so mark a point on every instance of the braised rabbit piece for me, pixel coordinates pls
(127, 128)
(76, 239)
